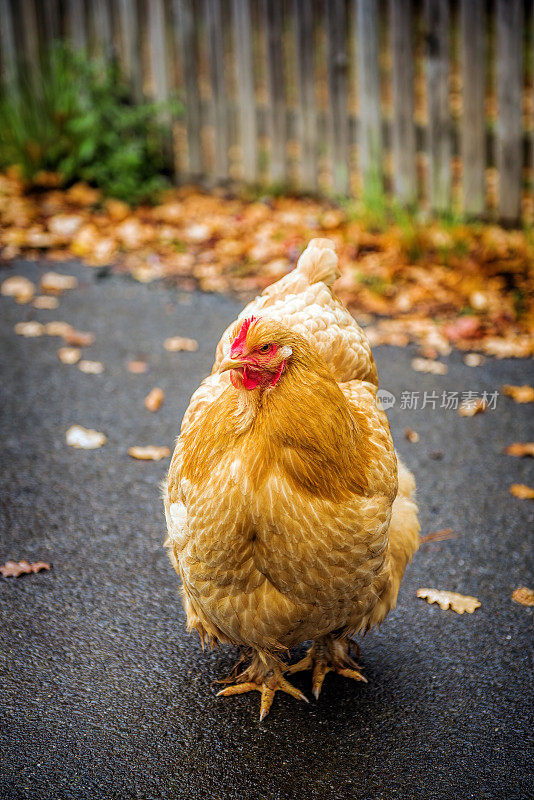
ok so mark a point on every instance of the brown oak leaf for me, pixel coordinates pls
(78, 338)
(521, 394)
(154, 399)
(12, 569)
(54, 283)
(176, 343)
(439, 536)
(520, 449)
(522, 491)
(137, 367)
(149, 453)
(452, 600)
(523, 596)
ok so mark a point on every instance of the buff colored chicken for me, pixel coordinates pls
(289, 516)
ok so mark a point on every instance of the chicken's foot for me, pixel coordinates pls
(327, 654)
(263, 675)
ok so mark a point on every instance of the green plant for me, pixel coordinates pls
(75, 117)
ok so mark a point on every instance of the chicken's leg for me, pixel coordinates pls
(264, 674)
(327, 654)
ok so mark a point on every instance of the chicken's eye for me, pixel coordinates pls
(264, 348)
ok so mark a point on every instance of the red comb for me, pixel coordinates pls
(239, 341)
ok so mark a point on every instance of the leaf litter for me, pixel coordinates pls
(439, 286)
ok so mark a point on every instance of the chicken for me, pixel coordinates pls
(289, 516)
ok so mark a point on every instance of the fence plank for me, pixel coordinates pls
(248, 133)
(473, 127)
(101, 41)
(439, 124)
(184, 31)
(76, 24)
(51, 20)
(275, 79)
(158, 51)
(336, 27)
(129, 46)
(307, 112)
(403, 127)
(220, 112)
(7, 42)
(30, 35)
(370, 137)
(509, 97)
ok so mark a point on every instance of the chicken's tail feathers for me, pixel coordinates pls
(319, 262)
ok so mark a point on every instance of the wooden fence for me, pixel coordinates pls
(431, 102)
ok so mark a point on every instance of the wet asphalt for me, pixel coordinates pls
(105, 695)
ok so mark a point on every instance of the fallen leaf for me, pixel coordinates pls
(435, 455)
(78, 338)
(84, 438)
(154, 399)
(521, 394)
(69, 355)
(18, 287)
(522, 491)
(473, 359)
(91, 367)
(137, 367)
(468, 408)
(438, 536)
(523, 596)
(520, 449)
(428, 365)
(411, 435)
(45, 301)
(55, 283)
(176, 343)
(29, 329)
(64, 225)
(149, 453)
(57, 328)
(116, 209)
(462, 328)
(12, 569)
(445, 600)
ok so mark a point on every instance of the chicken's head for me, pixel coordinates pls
(257, 355)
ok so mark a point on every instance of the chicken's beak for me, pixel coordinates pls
(230, 363)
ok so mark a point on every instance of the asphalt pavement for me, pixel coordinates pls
(105, 695)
